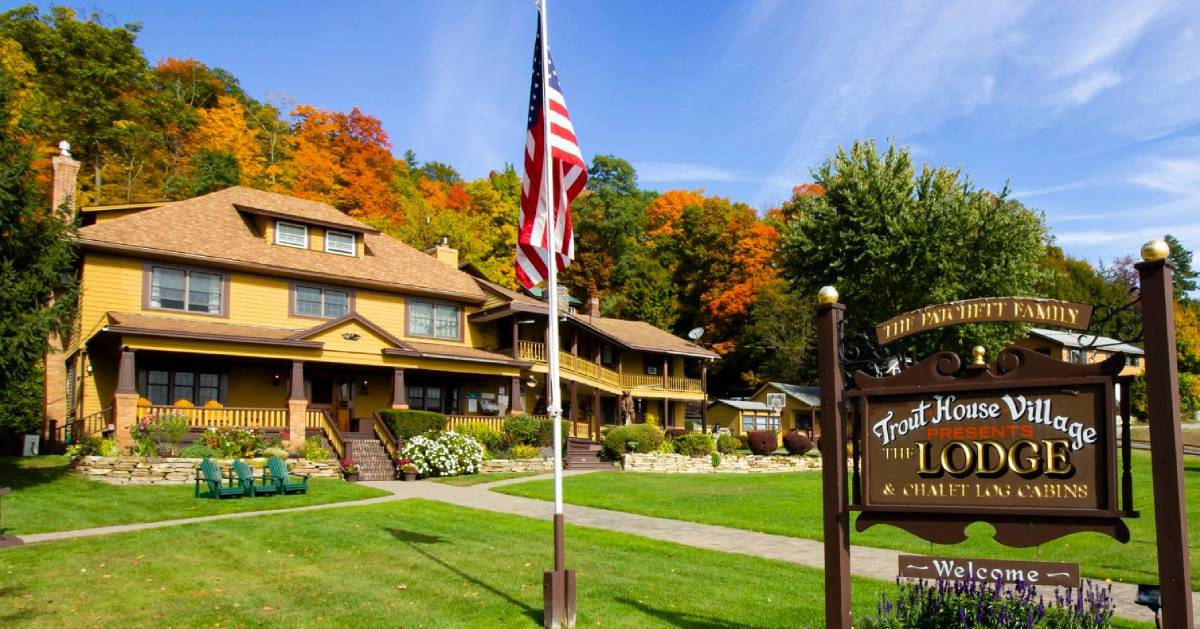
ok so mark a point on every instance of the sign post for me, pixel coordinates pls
(1166, 442)
(833, 453)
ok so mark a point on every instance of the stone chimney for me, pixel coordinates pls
(444, 253)
(593, 309)
(63, 186)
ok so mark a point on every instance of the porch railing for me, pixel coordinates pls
(579, 366)
(314, 418)
(453, 422)
(228, 416)
(333, 434)
(93, 424)
(385, 436)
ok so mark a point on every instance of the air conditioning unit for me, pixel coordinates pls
(652, 371)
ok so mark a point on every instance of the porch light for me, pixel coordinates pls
(275, 378)
(362, 388)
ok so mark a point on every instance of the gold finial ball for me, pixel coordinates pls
(1156, 249)
(827, 295)
(978, 352)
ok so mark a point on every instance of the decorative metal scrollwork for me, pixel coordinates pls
(860, 351)
(1120, 323)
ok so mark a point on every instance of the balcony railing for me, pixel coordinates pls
(577, 366)
(228, 416)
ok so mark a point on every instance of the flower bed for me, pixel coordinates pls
(662, 462)
(136, 470)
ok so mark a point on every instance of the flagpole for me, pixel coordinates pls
(558, 590)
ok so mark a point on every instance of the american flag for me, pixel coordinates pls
(569, 177)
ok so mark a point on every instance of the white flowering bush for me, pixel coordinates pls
(445, 454)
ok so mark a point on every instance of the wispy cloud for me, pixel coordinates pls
(669, 172)
(1029, 193)
(1087, 88)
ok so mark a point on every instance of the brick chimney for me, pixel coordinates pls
(444, 253)
(63, 186)
(593, 306)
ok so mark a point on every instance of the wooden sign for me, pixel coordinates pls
(1028, 436)
(1050, 312)
(990, 570)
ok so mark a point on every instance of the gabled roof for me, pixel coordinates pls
(1072, 339)
(807, 395)
(742, 405)
(214, 230)
(357, 318)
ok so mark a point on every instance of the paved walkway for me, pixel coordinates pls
(874, 563)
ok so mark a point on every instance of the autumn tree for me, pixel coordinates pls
(343, 159)
(224, 129)
(609, 223)
(892, 239)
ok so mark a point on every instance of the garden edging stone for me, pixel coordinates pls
(135, 470)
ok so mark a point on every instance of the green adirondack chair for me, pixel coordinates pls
(277, 471)
(211, 475)
(245, 478)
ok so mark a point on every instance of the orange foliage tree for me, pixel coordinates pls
(344, 160)
(223, 128)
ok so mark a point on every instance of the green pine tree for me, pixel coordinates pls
(37, 283)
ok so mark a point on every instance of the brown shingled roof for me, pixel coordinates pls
(154, 325)
(210, 228)
(643, 336)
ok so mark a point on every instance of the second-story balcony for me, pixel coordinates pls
(582, 369)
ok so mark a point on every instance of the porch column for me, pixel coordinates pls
(666, 415)
(516, 400)
(516, 336)
(297, 405)
(704, 402)
(399, 391)
(597, 421)
(664, 371)
(125, 400)
(574, 405)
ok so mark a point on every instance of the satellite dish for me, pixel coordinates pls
(696, 333)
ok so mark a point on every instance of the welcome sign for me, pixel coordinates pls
(1026, 438)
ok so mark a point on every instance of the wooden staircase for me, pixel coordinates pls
(584, 454)
(365, 449)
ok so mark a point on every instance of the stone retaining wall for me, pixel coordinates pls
(730, 464)
(518, 465)
(133, 470)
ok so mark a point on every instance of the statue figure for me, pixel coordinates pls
(627, 411)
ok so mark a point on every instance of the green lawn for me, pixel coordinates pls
(47, 497)
(479, 479)
(409, 563)
(790, 504)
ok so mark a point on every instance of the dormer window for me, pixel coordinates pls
(291, 234)
(341, 243)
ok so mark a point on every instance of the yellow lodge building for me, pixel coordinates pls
(269, 311)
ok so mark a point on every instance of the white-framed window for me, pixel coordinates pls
(339, 242)
(434, 319)
(755, 421)
(291, 234)
(318, 301)
(187, 290)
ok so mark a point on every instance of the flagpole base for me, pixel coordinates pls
(558, 599)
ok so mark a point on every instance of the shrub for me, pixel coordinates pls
(314, 450)
(520, 451)
(715, 459)
(169, 430)
(199, 451)
(523, 429)
(743, 441)
(619, 439)
(991, 605)
(275, 452)
(109, 447)
(762, 441)
(694, 444)
(727, 444)
(545, 436)
(85, 446)
(488, 437)
(444, 454)
(796, 442)
(407, 424)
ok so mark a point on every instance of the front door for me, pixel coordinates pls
(343, 403)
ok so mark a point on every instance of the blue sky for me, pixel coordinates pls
(1090, 111)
